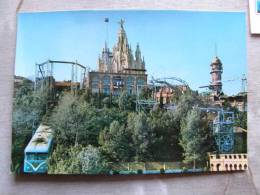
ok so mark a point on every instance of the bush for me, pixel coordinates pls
(115, 172)
(162, 171)
(139, 171)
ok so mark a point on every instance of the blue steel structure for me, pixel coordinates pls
(143, 104)
(223, 129)
(37, 151)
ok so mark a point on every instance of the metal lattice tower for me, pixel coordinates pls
(143, 104)
(223, 129)
(44, 71)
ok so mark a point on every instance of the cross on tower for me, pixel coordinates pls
(121, 22)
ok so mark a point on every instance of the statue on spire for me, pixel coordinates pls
(121, 22)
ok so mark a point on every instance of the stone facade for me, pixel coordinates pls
(165, 94)
(118, 70)
(228, 162)
(114, 83)
(238, 101)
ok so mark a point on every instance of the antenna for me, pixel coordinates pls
(216, 49)
(107, 35)
(243, 83)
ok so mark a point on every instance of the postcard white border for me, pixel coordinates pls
(254, 17)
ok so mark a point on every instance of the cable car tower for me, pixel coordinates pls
(223, 129)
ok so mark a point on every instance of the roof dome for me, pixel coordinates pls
(216, 60)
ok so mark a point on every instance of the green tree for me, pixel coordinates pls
(142, 135)
(76, 160)
(116, 142)
(241, 119)
(166, 136)
(29, 107)
(146, 93)
(75, 122)
(194, 137)
(126, 102)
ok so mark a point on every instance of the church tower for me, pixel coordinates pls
(216, 72)
(122, 52)
(120, 69)
(105, 61)
(121, 59)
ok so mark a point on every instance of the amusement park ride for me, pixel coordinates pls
(143, 104)
(222, 125)
(44, 73)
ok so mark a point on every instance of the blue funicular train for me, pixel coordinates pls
(37, 151)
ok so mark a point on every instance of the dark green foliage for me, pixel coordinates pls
(166, 131)
(76, 160)
(195, 137)
(240, 142)
(116, 143)
(75, 122)
(241, 119)
(126, 102)
(162, 171)
(139, 171)
(142, 135)
(28, 110)
(93, 129)
(146, 93)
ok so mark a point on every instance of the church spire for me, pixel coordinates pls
(138, 57)
(121, 22)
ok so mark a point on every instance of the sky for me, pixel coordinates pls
(258, 6)
(174, 43)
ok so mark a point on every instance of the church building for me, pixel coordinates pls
(119, 69)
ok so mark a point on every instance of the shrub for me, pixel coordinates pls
(139, 171)
(162, 171)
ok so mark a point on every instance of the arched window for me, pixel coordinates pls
(240, 167)
(230, 167)
(106, 84)
(235, 166)
(218, 167)
(106, 80)
(245, 166)
(140, 84)
(95, 84)
(226, 166)
(129, 84)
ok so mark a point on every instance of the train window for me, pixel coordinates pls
(35, 156)
(30, 156)
(41, 156)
